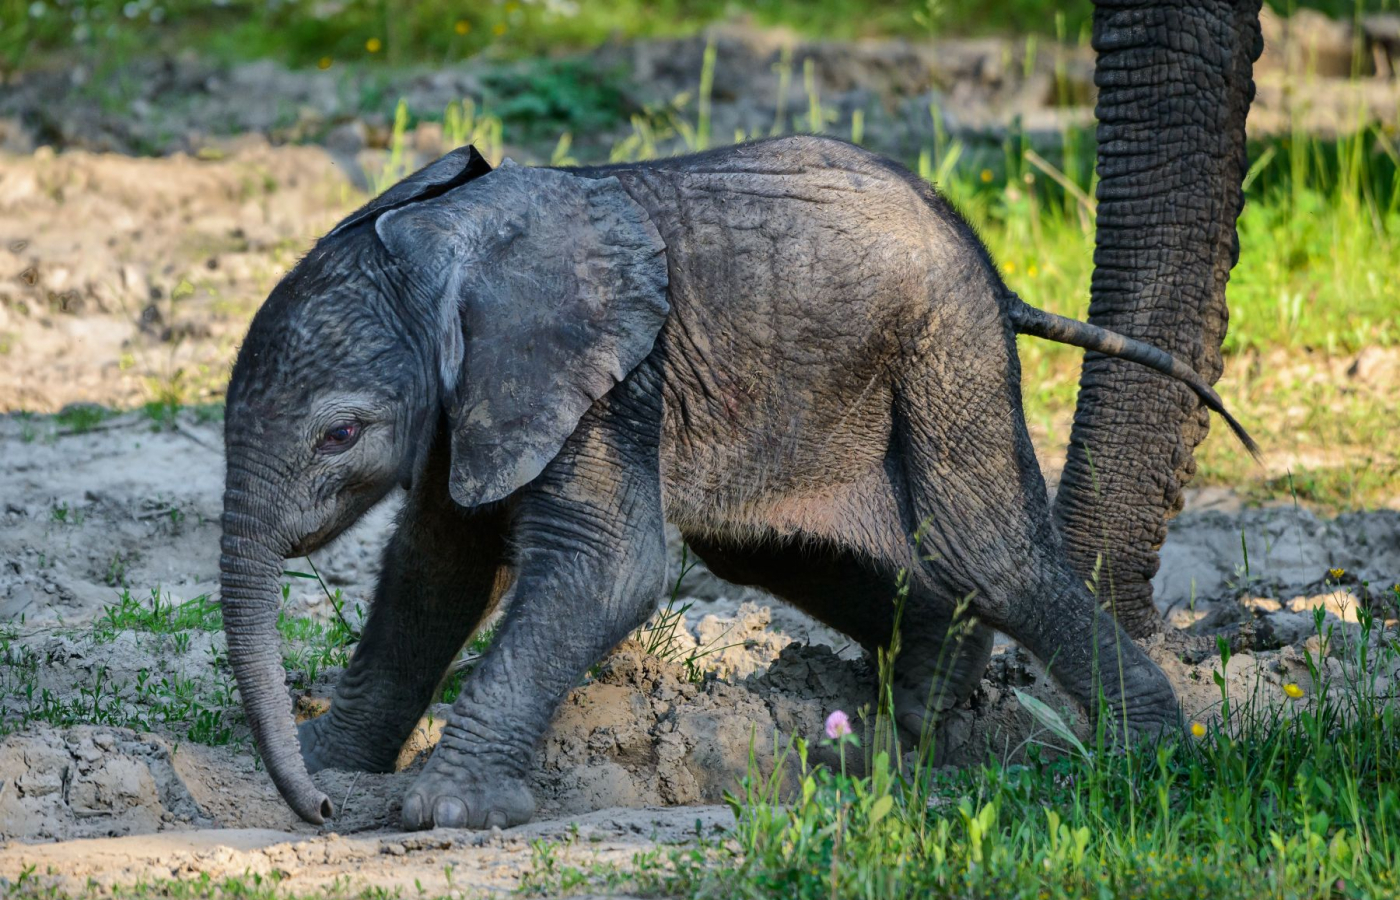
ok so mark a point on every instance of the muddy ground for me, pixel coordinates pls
(127, 281)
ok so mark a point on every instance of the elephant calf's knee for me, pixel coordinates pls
(642, 583)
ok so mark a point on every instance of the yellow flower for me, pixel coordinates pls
(323, 63)
(500, 29)
(1008, 267)
(1336, 573)
(374, 45)
(1198, 730)
(986, 176)
(1292, 690)
(462, 26)
(1032, 271)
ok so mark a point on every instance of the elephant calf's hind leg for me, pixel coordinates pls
(940, 662)
(974, 483)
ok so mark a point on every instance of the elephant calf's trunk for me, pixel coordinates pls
(249, 572)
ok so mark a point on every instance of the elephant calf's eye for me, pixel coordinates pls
(338, 437)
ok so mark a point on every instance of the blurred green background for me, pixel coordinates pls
(311, 32)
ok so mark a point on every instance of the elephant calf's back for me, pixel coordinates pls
(799, 269)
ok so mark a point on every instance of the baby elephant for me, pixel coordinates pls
(792, 349)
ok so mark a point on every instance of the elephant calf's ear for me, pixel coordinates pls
(437, 177)
(558, 286)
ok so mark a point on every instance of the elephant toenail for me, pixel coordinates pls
(496, 819)
(449, 812)
(413, 812)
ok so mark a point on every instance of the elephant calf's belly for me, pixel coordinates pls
(829, 504)
(802, 455)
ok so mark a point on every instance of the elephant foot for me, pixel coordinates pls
(931, 677)
(1157, 722)
(1150, 713)
(456, 791)
(326, 744)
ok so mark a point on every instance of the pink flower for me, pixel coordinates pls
(838, 725)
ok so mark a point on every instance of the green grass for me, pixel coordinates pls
(80, 418)
(161, 615)
(1281, 798)
(451, 687)
(307, 32)
(1320, 239)
(202, 709)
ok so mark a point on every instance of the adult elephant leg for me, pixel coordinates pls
(940, 661)
(1175, 85)
(443, 571)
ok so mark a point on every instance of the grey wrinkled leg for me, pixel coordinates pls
(940, 662)
(591, 563)
(1094, 659)
(974, 484)
(443, 571)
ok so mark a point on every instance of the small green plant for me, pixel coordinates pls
(312, 645)
(116, 571)
(159, 613)
(539, 98)
(349, 633)
(80, 418)
(451, 687)
(661, 636)
(399, 164)
(658, 637)
(463, 123)
(27, 430)
(164, 410)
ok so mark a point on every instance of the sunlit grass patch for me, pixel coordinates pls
(1320, 256)
(160, 614)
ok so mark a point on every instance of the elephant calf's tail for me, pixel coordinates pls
(1027, 319)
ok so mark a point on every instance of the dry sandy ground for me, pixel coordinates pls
(127, 280)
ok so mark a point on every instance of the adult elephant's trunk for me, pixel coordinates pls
(1175, 85)
(250, 570)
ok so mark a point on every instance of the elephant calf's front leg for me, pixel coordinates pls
(591, 565)
(443, 571)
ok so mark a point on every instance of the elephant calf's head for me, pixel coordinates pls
(329, 397)
(502, 303)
